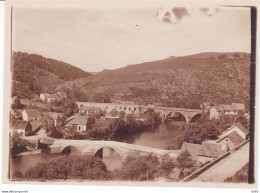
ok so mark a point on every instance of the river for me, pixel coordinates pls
(158, 137)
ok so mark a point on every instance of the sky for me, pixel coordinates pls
(97, 37)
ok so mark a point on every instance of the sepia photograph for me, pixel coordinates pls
(124, 92)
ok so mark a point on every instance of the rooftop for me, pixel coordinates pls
(235, 138)
(33, 112)
(79, 120)
(212, 149)
(193, 149)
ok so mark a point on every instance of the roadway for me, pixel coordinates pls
(226, 167)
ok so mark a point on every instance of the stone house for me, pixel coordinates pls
(79, 123)
(58, 118)
(31, 115)
(240, 129)
(204, 152)
(22, 127)
(233, 109)
(232, 140)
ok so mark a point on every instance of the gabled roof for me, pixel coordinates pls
(79, 120)
(242, 128)
(55, 115)
(212, 150)
(35, 125)
(239, 106)
(32, 112)
(19, 125)
(228, 107)
(235, 138)
(193, 149)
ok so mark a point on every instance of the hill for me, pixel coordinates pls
(33, 74)
(185, 81)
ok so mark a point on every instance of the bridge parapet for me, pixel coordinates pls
(92, 147)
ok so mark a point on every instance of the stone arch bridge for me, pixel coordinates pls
(165, 112)
(91, 147)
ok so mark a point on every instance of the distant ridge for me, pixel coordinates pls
(184, 81)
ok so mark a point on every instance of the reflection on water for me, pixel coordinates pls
(112, 159)
(159, 137)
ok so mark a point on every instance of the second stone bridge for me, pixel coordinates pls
(95, 148)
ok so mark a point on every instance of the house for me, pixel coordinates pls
(204, 152)
(22, 127)
(239, 106)
(210, 151)
(58, 118)
(216, 111)
(193, 149)
(232, 140)
(44, 96)
(36, 126)
(62, 95)
(31, 115)
(240, 129)
(48, 97)
(87, 110)
(79, 123)
(52, 98)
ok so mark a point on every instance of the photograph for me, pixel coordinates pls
(127, 92)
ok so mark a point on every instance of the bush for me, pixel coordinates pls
(137, 167)
(67, 167)
(55, 134)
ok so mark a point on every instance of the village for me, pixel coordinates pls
(44, 127)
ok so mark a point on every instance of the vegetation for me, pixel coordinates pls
(187, 81)
(186, 162)
(205, 129)
(33, 74)
(19, 145)
(138, 167)
(240, 176)
(66, 167)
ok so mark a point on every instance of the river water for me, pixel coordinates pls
(158, 137)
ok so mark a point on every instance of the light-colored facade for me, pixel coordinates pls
(108, 107)
(31, 115)
(233, 109)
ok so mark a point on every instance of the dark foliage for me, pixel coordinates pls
(138, 167)
(67, 167)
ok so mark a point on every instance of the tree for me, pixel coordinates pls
(185, 161)
(166, 165)
(121, 114)
(17, 104)
(91, 121)
(114, 112)
(139, 167)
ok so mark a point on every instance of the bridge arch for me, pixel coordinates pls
(99, 151)
(180, 113)
(70, 149)
(195, 117)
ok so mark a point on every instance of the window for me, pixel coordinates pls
(129, 108)
(124, 108)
